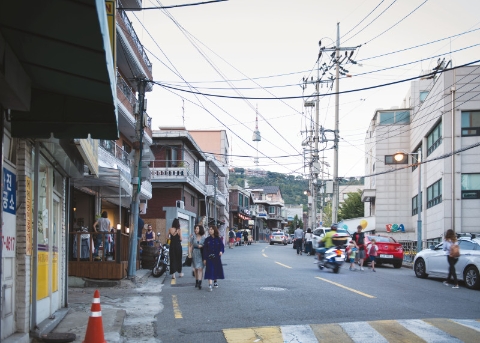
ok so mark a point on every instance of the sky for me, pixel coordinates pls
(216, 65)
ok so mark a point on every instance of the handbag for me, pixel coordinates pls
(188, 261)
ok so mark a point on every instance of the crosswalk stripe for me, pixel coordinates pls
(471, 323)
(298, 334)
(330, 333)
(362, 332)
(428, 332)
(463, 333)
(436, 330)
(267, 334)
(394, 332)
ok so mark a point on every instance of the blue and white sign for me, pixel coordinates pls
(9, 198)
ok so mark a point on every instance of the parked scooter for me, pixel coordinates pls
(333, 259)
(162, 260)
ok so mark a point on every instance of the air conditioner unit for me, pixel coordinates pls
(180, 204)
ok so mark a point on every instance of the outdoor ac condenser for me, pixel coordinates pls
(181, 204)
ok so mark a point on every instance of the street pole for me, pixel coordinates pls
(420, 201)
(317, 138)
(215, 176)
(132, 258)
(335, 156)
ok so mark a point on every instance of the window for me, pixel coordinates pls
(192, 201)
(394, 117)
(415, 204)
(240, 199)
(415, 157)
(423, 95)
(171, 157)
(271, 209)
(434, 194)
(467, 245)
(434, 139)
(196, 168)
(471, 123)
(389, 159)
(245, 202)
(470, 186)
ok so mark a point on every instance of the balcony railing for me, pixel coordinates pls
(126, 90)
(134, 36)
(115, 150)
(175, 170)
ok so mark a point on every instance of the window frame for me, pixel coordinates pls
(433, 199)
(471, 192)
(420, 95)
(415, 204)
(270, 210)
(395, 117)
(475, 129)
(432, 145)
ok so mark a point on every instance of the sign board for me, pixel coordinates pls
(9, 204)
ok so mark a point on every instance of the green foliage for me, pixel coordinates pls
(292, 187)
(353, 207)
(327, 215)
(293, 225)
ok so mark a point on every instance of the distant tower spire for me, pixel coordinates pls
(256, 138)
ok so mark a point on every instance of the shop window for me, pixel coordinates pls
(434, 194)
(470, 186)
(470, 123)
(434, 139)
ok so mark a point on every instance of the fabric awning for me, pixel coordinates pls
(64, 48)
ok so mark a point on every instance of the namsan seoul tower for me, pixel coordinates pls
(256, 138)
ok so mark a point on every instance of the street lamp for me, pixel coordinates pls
(400, 156)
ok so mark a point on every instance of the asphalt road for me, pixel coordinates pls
(272, 286)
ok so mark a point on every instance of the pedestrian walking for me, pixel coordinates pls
(231, 238)
(372, 252)
(352, 252)
(175, 249)
(195, 246)
(298, 237)
(308, 242)
(213, 249)
(359, 238)
(245, 237)
(450, 246)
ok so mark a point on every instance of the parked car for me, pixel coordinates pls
(389, 250)
(290, 238)
(433, 262)
(278, 237)
(320, 232)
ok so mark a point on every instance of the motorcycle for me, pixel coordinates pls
(333, 258)
(162, 259)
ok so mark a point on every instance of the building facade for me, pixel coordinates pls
(269, 210)
(440, 120)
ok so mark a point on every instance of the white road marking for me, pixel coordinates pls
(298, 333)
(362, 332)
(428, 332)
(470, 323)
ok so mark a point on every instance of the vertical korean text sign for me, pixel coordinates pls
(9, 203)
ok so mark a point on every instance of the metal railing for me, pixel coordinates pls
(115, 150)
(175, 169)
(105, 245)
(126, 90)
(135, 39)
(410, 248)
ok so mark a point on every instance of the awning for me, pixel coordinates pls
(64, 49)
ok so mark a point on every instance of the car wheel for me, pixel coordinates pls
(472, 278)
(420, 268)
(397, 265)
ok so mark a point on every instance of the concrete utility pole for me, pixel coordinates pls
(215, 178)
(132, 258)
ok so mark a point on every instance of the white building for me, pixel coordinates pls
(433, 111)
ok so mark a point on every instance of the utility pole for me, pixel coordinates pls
(215, 178)
(132, 258)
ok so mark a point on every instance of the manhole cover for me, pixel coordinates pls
(275, 289)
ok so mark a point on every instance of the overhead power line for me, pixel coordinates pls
(171, 6)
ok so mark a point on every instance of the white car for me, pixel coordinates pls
(433, 262)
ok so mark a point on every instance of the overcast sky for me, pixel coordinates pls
(264, 48)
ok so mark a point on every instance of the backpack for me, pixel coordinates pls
(231, 234)
(454, 251)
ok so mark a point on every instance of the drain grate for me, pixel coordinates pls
(274, 289)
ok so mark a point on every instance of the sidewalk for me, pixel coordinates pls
(74, 319)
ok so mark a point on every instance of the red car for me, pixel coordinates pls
(389, 251)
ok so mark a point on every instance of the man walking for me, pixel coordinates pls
(298, 236)
(359, 238)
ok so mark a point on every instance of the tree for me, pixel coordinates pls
(353, 206)
(294, 224)
(327, 215)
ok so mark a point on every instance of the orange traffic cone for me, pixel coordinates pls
(95, 326)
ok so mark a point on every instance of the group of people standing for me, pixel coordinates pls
(205, 252)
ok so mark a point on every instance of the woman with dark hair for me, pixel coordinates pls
(175, 249)
(195, 246)
(213, 249)
(449, 241)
